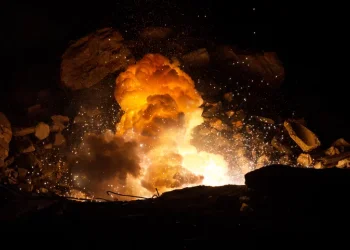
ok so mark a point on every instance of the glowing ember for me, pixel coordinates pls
(161, 108)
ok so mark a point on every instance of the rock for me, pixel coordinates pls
(229, 113)
(281, 147)
(341, 144)
(24, 145)
(22, 173)
(59, 140)
(264, 120)
(60, 119)
(91, 58)
(5, 138)
(239, 116)
(345, 163)
(155, 33)
(285, 160)
(225, 53)
(26, 187)
(12, 176)
(319, 165)
(211, 110)
(262, 161)
(48, 146)
(42, 131)
(305, 160)
(228, 96)
(197, 58)
(23, 131)
(43, 190)
(9, 161)
(59, 123)
(27, 161)
(332, 151)
(266, 66)
(302, 136)
(244, 207)
(36, 111)
(218, 125)
(237, 124)
(204, 131)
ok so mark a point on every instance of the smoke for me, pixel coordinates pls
(151, 148)
(161, 108)
(104, 160)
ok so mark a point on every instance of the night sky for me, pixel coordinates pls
(307, 39)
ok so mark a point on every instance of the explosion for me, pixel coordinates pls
(161, 108)
(152, 146)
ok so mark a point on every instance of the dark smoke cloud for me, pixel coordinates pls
(103, 160)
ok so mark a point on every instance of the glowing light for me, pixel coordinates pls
(161, 108)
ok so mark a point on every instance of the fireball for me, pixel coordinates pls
(162, 107)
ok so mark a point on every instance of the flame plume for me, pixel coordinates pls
(161, 108)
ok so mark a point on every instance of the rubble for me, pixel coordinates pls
(341, 143)
(59, 140)
(218, 124)
(91, 58)
(59, 123)
(60, 119)
(302, 136)
(262, 161)
(48, 146)
(198, 58)
(334, 159)
(22, 173)
(155, 33)
(286, 160)
(42, 131)
(332, 151)
(281, 147)
(345, 163)
(305, 160)
(5, 138)
(319, 165)
(36, 111)
(228, 96)
(24, 145)
(26, 187)
(23, 131)
(211, 109)
(266, 66)
(264, 120)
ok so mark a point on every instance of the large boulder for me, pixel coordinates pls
(91, 58)
(5, 137)
(265, 65)
(264, 68)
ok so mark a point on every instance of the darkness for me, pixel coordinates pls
(307, 39)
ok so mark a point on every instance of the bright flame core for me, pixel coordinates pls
(161, 108)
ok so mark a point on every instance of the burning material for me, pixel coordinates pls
(161, 108)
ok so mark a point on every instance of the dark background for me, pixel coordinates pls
(308, 39)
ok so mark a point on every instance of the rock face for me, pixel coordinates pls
(93, 57)
(5, 137)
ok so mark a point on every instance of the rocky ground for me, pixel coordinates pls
(246, 118)
(277, 201)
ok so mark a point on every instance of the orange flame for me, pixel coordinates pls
(161, 108)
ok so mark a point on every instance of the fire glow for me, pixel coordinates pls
(152, 146)
(161, 108)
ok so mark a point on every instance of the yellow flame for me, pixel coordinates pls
(161, 108)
